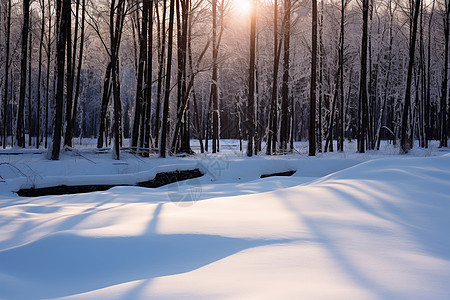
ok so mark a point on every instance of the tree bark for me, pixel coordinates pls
(41, 40)
(5, 94)
(160, 72)
(162, 148)
(363, 99)
(405, 142)
(251, 84)
(60, 61)
(443, 106)
(20, 130)
(284, 132)
(80, 62)
(312, 107)
(273, 118)
(47, 90)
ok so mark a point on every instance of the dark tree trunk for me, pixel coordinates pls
(321, 86)
(47, 90)
(60, 61)
(443, 106)
(80, 62)
(165, 117)
(428, 94)
(142, 61)
(117, 17)
(214, 90)
(41, 40)
(104, 107)
(148, 75)
(284, 132)
(69, 81)
(251, 84)
(273, 118)
(341, 78)
(387, 81)
(20, 130)
(312, 109)
(5, 94)
(406, 118)
(162, 52)
(30, 109)
(363, 99)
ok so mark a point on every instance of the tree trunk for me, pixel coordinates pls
(312, 107)
(428, 95)
(60, 61)
(251, 84)
(30, 108)
(214, 90)
(41, 40)
(160, 72)
(273, 122)
(148, 76)
(444, 135)
(405, 143)
(5, 94)
(104, 107)
(165, 118)
(69, 81)
(142, 61)
(284, 133)
(117, 17)
(80, 62)
(20, 131)
(47, 90)
(341, 78)
(363, 100)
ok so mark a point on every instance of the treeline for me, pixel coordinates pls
(161, 73)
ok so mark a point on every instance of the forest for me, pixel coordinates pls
(150, 75)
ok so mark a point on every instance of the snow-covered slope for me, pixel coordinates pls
(376, 230)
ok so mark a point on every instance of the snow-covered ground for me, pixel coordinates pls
(344, 226)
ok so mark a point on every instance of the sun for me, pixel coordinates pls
(243, 6)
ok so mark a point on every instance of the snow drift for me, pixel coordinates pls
(377, 230)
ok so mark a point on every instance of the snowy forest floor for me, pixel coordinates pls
(344, 226)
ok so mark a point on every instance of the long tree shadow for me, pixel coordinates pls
(65, 264)
(320, 231)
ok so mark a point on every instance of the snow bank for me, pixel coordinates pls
(371, 230)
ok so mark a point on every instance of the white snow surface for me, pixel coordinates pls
(344, 226)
